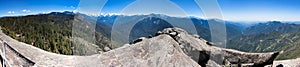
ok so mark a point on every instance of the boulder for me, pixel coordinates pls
(199, 50)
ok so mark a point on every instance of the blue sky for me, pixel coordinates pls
(234, 10)
(25, 7)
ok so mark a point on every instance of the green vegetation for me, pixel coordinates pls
(48, 32)
(269, 37)
(291, 50)
(274, 41)
(51, 32)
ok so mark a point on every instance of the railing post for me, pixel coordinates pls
(3, 54)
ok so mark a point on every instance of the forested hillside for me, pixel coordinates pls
(48, 32)
(51, 32)
(267, 37)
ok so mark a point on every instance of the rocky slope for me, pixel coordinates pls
(271, 36)
(205, 53)
(171, 47)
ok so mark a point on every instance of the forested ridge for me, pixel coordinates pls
(46, 31)
(271, 36)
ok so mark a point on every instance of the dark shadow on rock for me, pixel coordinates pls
(203, 58)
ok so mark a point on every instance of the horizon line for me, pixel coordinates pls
(120, 14)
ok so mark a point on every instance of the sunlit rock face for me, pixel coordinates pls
(171, 47)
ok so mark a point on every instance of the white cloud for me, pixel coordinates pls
(11, 12)
(44, 12)
(26, 11)
(72, 7)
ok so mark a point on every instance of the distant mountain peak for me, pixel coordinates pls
(62, 13)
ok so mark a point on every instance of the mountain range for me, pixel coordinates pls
(256, 37)
(270, 36)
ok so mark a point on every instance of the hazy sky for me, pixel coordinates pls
(234, 10)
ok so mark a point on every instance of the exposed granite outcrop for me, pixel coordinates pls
(159, 51)
(200, 50)
(172, 47)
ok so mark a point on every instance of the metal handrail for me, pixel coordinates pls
(3, 55)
